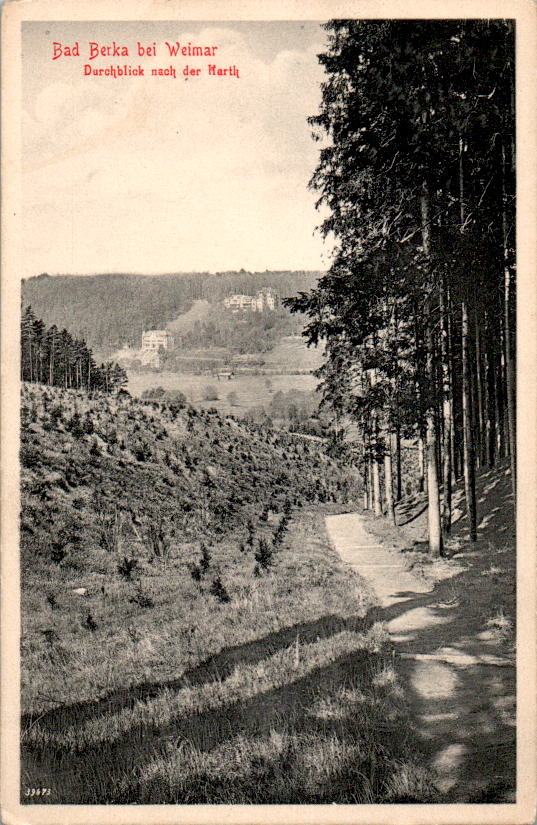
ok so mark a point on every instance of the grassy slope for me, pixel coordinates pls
(156, 686)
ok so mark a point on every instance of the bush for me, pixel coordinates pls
(196, 572)
(210, 393)
(205, 558)
(218, 590)
(58, 551)
(56, 414)
(141, 598)
(251, 533)
(153, 394)
(263, 554)
(74, 425)
(142, 451)
(127, 567)
(280, 530)
(94, 449)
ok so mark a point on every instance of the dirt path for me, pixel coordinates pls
(459, 683)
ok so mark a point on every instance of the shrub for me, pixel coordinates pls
(51, 599)
(154, 393)
(90, 623)
(74, 425)
(127, 567)
(58, 551)
(218, 590)
(263, 554)
(280, 530)
(196, 572)
(142, 451)
(56, 414)
(109, 526)
(30, 456)
(94, 449)
(141, 598)
(251, 533)
(210, 393)
(157, 538)
(205, 558)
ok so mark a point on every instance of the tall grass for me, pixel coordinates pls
(284, 694)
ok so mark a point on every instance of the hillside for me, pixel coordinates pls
(186, 626)
(111, 310)
(112, 482)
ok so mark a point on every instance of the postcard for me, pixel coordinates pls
(269, 410)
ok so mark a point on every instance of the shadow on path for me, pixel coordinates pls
(458, 678)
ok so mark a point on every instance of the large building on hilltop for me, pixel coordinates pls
(266, 299)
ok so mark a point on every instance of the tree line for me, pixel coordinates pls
(55, 357)
(416, 176)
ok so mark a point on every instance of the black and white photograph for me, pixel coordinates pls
(266, 313)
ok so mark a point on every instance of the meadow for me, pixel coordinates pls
(249, 390)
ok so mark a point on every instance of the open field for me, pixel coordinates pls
(251, 390)
(291, 353)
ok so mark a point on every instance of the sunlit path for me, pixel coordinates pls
(460, 689)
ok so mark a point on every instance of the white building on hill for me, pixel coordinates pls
(154, 339)
(266, 299)
(239, 303)
(152, 342)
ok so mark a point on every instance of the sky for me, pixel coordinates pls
(157, 174)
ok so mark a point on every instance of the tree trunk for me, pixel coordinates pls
(447, 410)
(508, 346)
(493, 410)
(398, 468)
(481, 416)
(421, 463)
(433, 494)
(365, 494)
(377, 500)
(469, 460)
(370, 481)
(487, 408)
(388, 478)
(51, 365)
(366, 472)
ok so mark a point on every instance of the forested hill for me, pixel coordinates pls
(113, 309)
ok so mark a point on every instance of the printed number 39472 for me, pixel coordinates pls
(37, 792)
